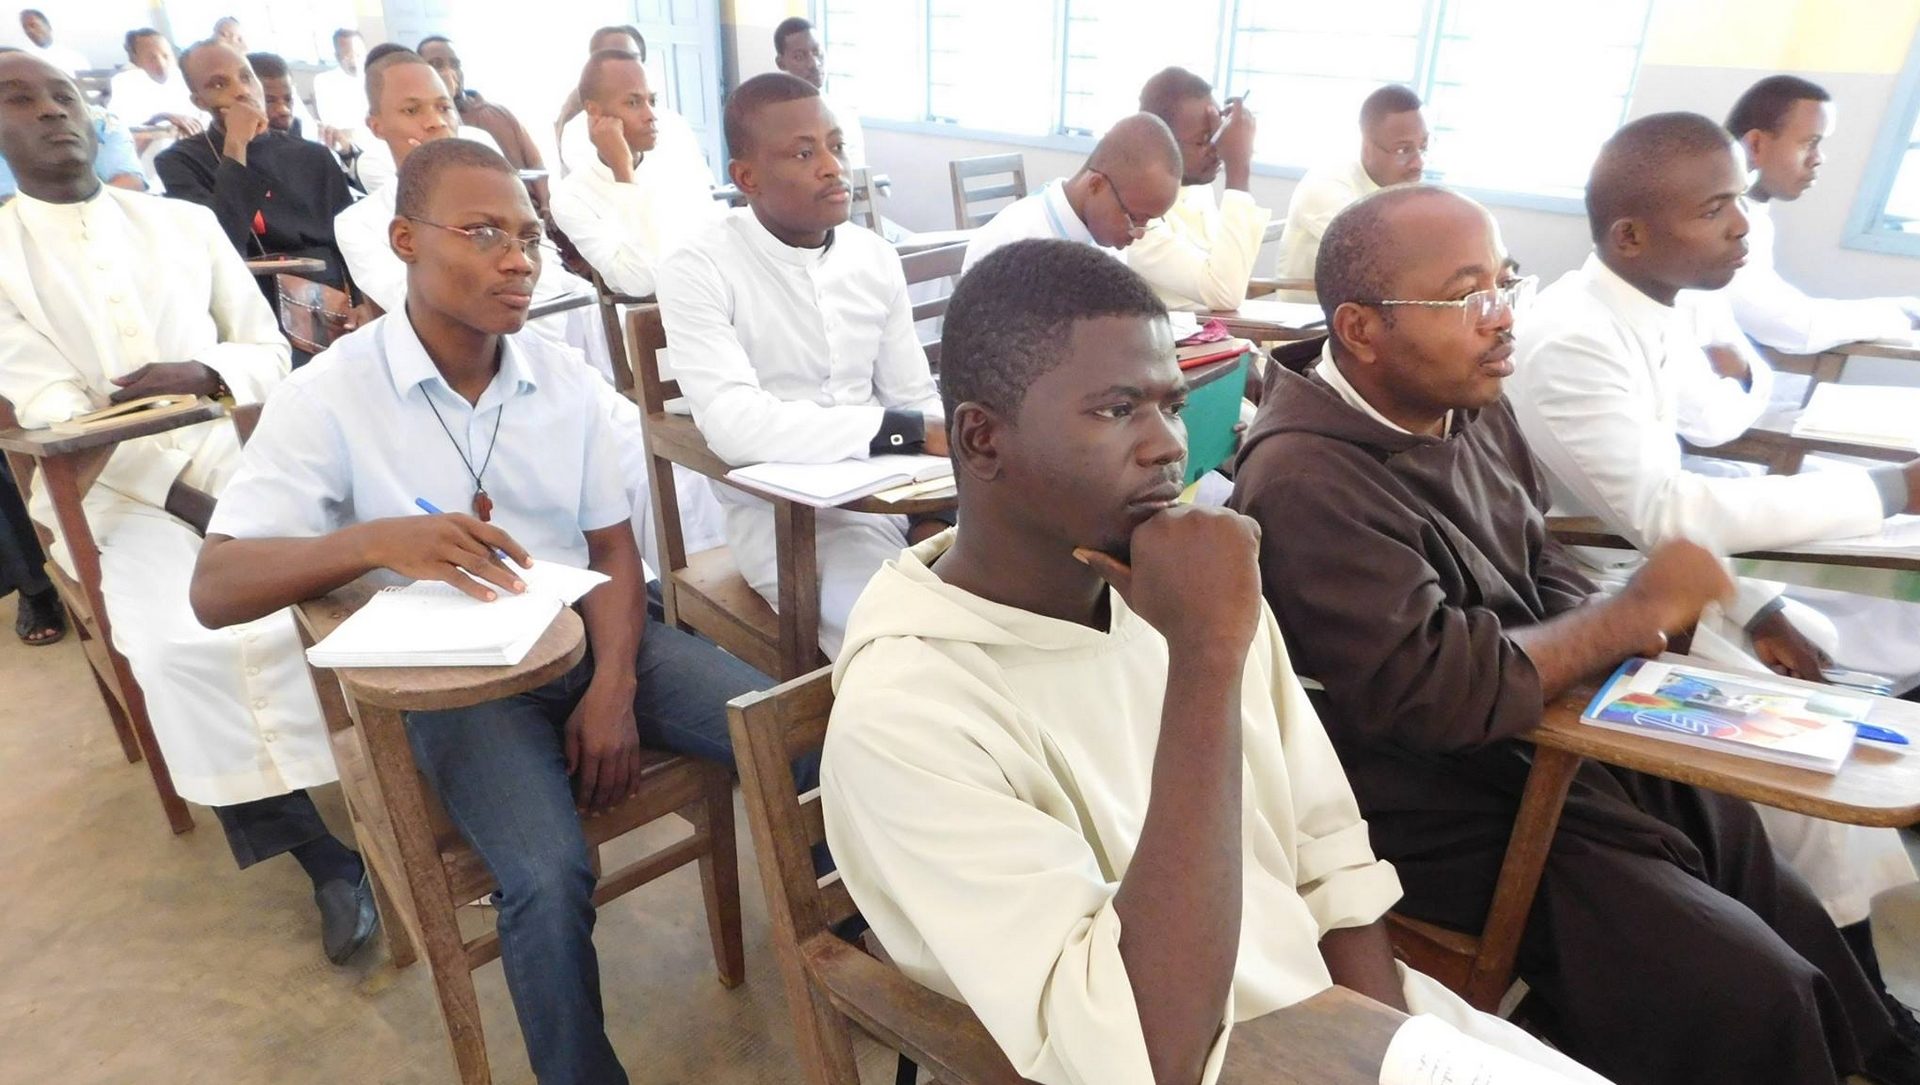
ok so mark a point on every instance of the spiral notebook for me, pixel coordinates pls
(432, 624)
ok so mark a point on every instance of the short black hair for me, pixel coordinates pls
(225, 20)
(381, 57)
(24, 12)
(1385, 102)
(1008, 320)
(590, 74)
(1353, 261)
(343, 34)
(186, 56)
(628, 29)
(268, 66)
(429, 40)
(750, 97)
(1629, 175)
(132, 40)
(1137, 143)
(1168, 88)
(422, 170)
(787, 28)
(1766, 103)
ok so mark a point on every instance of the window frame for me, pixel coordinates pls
(1896, 139)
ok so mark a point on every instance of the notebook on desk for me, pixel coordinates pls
(1866, 414)
(432, 624)
(825, 485)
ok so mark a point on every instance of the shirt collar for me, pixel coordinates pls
(1363, 182)
(763, 240)
(1624, 298)
(43, 213)
(409, 366)
(1061, 219)
(1328, 371)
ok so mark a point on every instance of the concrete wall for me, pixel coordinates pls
(1700, 55)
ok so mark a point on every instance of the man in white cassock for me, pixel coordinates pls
(108, 295)
(1620, 360)
(1070, 778)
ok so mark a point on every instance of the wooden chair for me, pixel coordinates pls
(610, 302)
(831, 984)
(421, 865)
(969, 210)
(863, 211)
(67, 466)
(704, 592)
(932, 265)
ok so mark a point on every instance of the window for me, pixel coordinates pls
(301, 31)
(1887, 216)
(1520, 93)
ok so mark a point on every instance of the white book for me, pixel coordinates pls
(825, 485)
(432, 624)
(1428, 1051)
(1299, 315)
(1868, 414)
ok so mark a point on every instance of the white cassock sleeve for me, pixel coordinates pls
(1203, 256)
(1599, 437)
(1711, 409)
(376, 271)
(252, 357)
(1782, 316)
(620, 246)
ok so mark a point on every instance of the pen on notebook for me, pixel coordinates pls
(1880, 734)
(431, 509)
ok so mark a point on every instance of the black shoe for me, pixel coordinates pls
(347, 916)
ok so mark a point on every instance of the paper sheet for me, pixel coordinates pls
(1428, 1051)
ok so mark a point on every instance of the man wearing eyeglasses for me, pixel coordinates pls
(1131, 178)
(411, 105)
(1622, 360)
(1393, 151)
(1404, 551)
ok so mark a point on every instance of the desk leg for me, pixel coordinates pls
(1526, 859)
(799, 572)
(399, 778)
(62, 479)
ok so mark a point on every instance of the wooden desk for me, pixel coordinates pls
(932, 239)
(578, 299)
(286, 265)
(1878, 786)
(1771, 442)
(1904, 350)
(1593, 531)
(676, 437)
(1266, 321)
(1337, 1037)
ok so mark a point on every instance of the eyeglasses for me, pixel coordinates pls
(489, 240)
(1136, 226)
(1482, 307)
(1404, 153)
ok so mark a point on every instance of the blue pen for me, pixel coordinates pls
(430, 509)
(1880, 734)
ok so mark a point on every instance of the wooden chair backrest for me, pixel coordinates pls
(968, 211)
(646, 338)
(610, 303)
(932, 265)
(861, 211)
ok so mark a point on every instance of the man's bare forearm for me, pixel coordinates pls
(615, 613)
(240, 580)
(1361, 959)
(1585, 641)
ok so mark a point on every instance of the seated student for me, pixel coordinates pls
(340, 94)
(512, 137)
(272, 192)
(106, 296)
(675, 140)
(1201, 253)
(376, 165)
(152, 91)
(1405, 553)
(115, 161)
(793, 339)
(39, 31)
(1781, 123)
(1620, 360)
(797, 51)
(1393, 151)
(326, 494)
(411, 106)
(628, 208)
(1070, 778)
(1137, 155)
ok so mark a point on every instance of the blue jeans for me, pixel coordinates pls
(500, 770)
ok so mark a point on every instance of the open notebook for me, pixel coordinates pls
(431, 624)
(1868, 414)
(824, 485)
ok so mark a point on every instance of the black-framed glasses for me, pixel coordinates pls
(1482, 307)
(491, 239)
(1405, 152)
(1136, 226)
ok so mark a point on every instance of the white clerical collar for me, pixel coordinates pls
(1329, 372)
(763, 240)
(1628, 301)
(63, 215)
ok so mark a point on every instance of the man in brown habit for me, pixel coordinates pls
(1405, 553)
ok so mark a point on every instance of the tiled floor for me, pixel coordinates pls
(131, 955)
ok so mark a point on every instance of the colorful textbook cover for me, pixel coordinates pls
(1782, 721)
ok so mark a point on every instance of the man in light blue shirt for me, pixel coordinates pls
(448, 401)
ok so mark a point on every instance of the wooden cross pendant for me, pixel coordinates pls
(482, 506)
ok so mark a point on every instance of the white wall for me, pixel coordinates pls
(97, 28)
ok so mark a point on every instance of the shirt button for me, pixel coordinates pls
(129, 331)
(259, 704)
(253, 672)
(100, 264)
(269, 736)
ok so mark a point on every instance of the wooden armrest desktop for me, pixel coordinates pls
(1259, 288)
(676, 438)
(45, 443)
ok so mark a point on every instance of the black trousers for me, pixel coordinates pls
(22, 561)
(1662, 970)
(264, 828)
